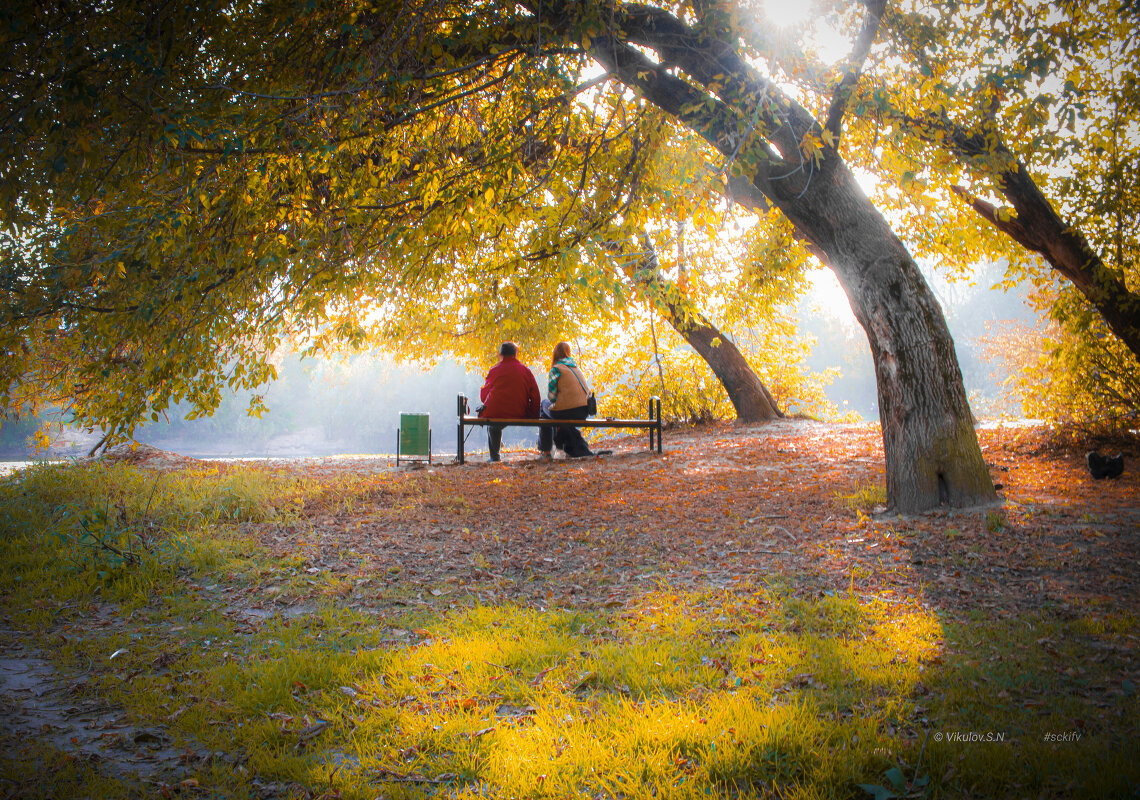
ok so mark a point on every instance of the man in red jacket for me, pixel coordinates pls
(510, 392)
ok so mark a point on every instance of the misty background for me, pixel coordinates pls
(321, 407)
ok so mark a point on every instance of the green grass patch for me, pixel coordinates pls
(73, 532)
(866, 498)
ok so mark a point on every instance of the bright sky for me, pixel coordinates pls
(827, 295)
(787, 13)
(831, 44)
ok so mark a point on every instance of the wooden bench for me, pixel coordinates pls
(653, 424)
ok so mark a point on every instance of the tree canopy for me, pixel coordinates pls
(182, 189)
(238, 193)
(1026, 118)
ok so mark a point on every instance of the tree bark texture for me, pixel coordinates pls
(750, 397)
(930, 446)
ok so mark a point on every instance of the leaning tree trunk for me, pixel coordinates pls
(929, 442)
(1038, 227)
(904, 315)
(750, 397)
(931, 449)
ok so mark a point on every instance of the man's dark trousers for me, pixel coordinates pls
(494, 440)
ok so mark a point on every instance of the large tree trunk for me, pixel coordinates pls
(750, 397)
(931, 449)
(926, 423)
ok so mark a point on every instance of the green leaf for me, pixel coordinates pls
(878, 792)
(895, 776)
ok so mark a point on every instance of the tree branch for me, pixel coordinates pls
(1004, 223)
(855, 62)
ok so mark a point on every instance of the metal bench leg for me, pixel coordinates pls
(651, 427)
(460, 403)
(658, 403)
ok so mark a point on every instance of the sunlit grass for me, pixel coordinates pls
(71, 532)
(866, 498)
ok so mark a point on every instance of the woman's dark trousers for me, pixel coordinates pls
(566, 438)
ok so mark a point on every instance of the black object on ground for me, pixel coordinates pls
(1101, 467)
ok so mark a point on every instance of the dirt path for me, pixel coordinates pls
(37, 703)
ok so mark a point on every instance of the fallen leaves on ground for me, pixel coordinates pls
(726, 504)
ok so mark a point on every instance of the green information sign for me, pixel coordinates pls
(413, 437)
